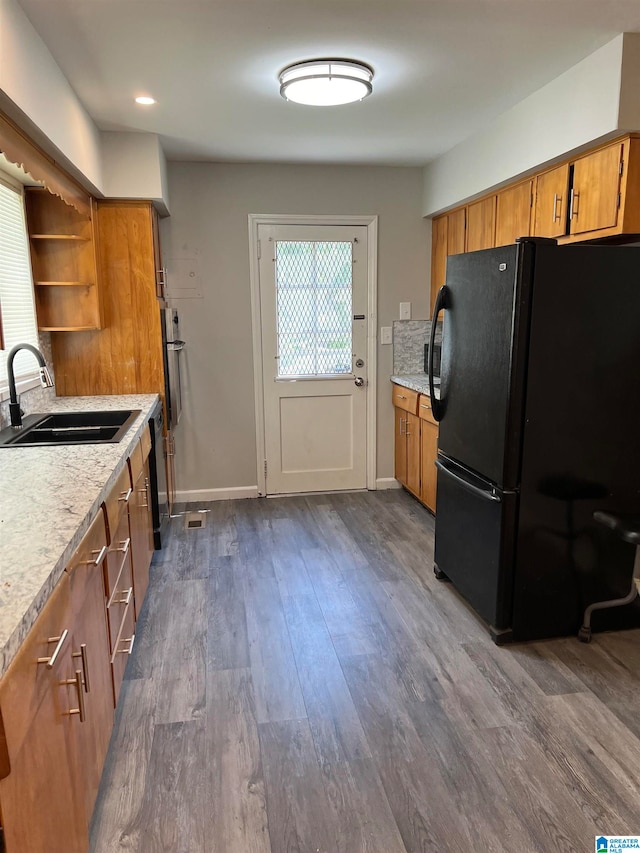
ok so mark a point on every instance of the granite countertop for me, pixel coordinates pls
(416, 382)
(48, 498)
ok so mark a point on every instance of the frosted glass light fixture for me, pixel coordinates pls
(326, 82)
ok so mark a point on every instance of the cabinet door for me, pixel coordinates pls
(400, 445)
(141, 536)
(513, 213)
(550, 215)
(456, 231)
(595, 193)
(39, 704)
(438, 256)
(170, 455)
(429, 453)
(413, 454)
(481, 224)
(89, 648)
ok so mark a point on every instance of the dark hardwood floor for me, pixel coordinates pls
(301, 683)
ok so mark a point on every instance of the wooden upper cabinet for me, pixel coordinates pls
(63, 262)
(438, 256)
(550, 213)
(595, 194)
(448, 238)
(481, 224)
(513, 213)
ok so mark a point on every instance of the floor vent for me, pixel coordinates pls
(195, 520)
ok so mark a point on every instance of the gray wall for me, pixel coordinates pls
(210, 204)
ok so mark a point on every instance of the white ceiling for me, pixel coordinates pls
(443, 69)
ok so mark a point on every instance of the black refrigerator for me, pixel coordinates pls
(539, 427)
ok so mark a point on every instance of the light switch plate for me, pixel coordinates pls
(386, 335)
(405, 310)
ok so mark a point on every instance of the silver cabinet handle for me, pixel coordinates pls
(78, 683)
(51, 661)
(101, 555)
(85, 665)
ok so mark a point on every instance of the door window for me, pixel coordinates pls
(313, 308)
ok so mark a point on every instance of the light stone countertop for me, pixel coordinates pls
(416, 382)
(48, 498)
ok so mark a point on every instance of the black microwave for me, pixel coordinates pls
(437, 354)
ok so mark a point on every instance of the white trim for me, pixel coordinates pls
(388, 483)
(233, 493)
(371, 223)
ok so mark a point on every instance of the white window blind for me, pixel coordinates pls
(16, 288)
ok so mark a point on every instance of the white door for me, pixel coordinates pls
(313, 303)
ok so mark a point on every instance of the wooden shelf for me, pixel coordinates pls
(63, 283)
(59, 237)
(68, 328)
(63, 263)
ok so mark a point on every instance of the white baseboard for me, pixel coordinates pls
(387, 483)
(231, 494)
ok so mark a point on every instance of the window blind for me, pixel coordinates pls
(16, 288)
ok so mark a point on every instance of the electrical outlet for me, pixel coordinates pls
(386, 335)
(405, 310)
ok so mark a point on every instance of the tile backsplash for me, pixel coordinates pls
(36, 399)
(409, 338)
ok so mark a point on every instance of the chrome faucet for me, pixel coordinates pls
(15, 412)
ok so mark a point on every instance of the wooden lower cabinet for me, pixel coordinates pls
(56, 709)
(170, 462)
(39, 796)
(119, 579)
(416, 444)
(428, 453)
(140, 521)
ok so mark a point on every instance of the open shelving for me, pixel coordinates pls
(63, 261)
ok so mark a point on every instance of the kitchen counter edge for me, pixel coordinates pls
(48, 498)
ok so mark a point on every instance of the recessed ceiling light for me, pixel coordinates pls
(146, 100)
(326, 82)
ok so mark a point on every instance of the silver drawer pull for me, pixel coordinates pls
(85, 665)
(422, 406)
(131, 641)
(78, 683)
(124, 496)
(127, 597)
(124, 546)
(102, 553)
(51, 661)
(401, 397)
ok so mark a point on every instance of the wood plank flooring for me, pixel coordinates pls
(301, 683)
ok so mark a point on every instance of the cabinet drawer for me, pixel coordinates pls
(424, 409)
(117, 501)
(29, 681)
(119, 605)
(122, 648)
(118, 553)
(405, 398)
(135, 462)
(92, 550)
(145, 442)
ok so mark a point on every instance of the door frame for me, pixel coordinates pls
(371, 224)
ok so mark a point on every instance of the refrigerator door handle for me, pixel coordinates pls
(440, 305)
(489, 495)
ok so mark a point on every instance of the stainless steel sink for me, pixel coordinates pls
(70, 428)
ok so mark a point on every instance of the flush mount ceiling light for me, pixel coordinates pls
(145, 100)
(326, 82)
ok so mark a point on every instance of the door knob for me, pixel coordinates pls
(359, 381)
